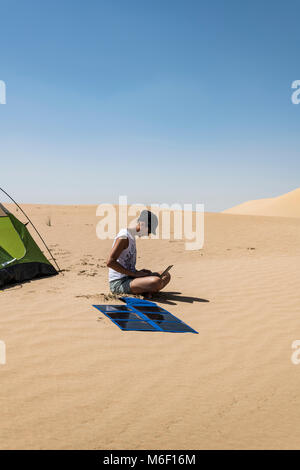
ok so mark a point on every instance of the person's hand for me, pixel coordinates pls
(147, 271)
(142, 273)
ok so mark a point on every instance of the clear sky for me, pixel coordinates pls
(162, 100)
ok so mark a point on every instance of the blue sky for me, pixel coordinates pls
(162, 100)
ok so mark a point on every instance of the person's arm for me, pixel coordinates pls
(120, 245)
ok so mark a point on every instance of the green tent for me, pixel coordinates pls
(20, 257)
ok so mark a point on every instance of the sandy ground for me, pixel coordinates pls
(286, 205)
(74, 380)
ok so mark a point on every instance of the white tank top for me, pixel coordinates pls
(127, 258)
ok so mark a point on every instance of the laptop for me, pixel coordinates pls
(166, 270)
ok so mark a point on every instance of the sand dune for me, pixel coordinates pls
(287, 205)
(74, 380)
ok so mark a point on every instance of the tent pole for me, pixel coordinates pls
(48, 249)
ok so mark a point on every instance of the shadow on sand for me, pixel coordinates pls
(18, 285)
(171, 298)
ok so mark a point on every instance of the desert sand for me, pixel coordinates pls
(287, 205)
(74, 380)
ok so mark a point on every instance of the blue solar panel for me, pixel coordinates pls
(143, 315)
(160, 316)
(175, 327)
(123, 316)
(135, 325)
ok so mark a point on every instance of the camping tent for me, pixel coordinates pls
(20, 257)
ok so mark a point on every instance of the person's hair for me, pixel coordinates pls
(149, 219)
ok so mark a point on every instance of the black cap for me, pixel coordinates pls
(150, 220)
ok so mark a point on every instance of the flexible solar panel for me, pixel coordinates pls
(135, 325)
(117, 308)
(159, 316)
(123, 316)
(174, 327)
(148, 308)
(143, 315)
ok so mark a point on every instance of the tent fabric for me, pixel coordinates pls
(20, 257)
(2, 211)
(10, 240)
(25, 272)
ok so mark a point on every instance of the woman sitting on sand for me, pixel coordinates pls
(123, 277)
